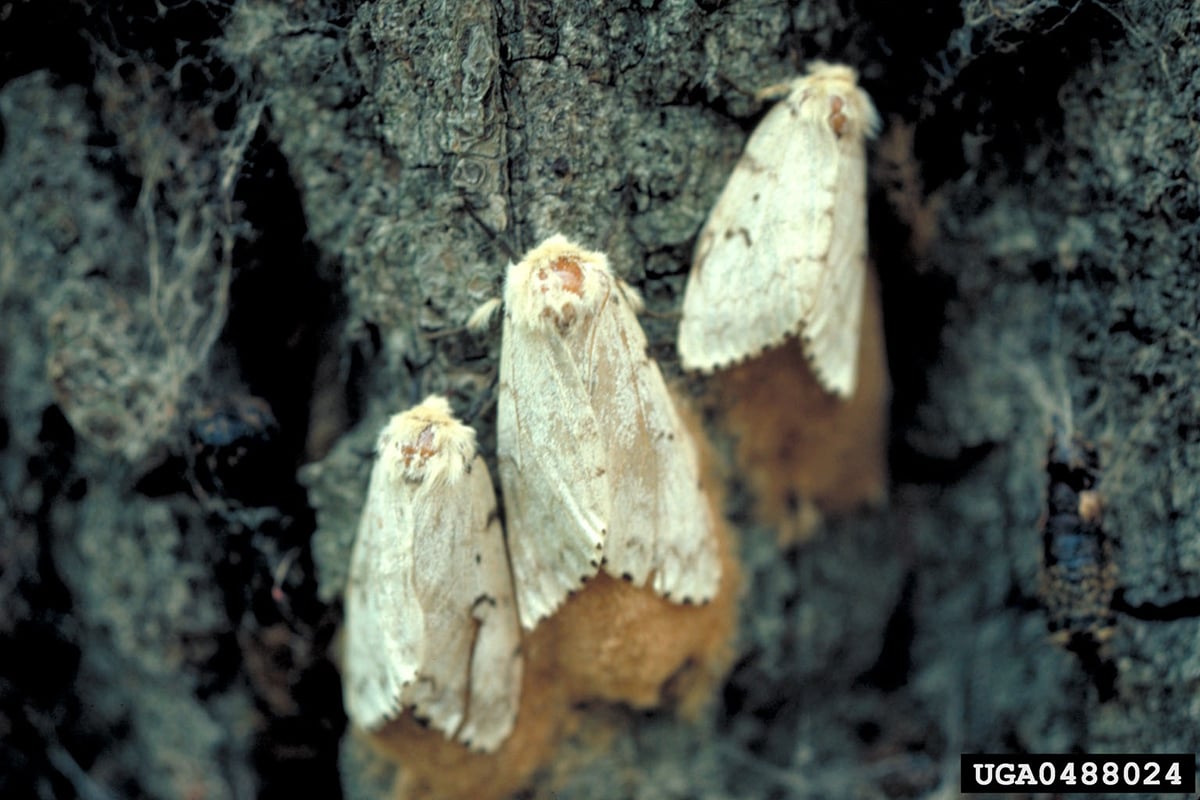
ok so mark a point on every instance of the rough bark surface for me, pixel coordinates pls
(236, 235)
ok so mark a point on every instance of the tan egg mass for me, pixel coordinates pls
(622, 643)
(430, 766)
(803, 451)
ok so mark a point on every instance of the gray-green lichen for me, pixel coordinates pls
(109, 312)
(144, 588)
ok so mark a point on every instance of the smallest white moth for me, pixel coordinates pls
(431, 626)
(784, 251)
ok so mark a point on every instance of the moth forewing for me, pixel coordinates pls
(687, 561)
(494, 683)
(833, 325)
(662, 525)
(552, 459)
(415, 637)
(790, 220)
(380, 660)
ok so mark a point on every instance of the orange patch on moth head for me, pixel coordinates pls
(565, 273)
(421, 449)
(569, 273)
(837, 120)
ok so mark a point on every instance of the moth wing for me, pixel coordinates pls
(661, 522)
(496, 664)
(468, 680)
(833, 322)
(384, 626)
(552, 467)
(759, 259)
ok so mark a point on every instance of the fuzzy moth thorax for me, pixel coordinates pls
(829, 94)
(556, 284)
(426, 443)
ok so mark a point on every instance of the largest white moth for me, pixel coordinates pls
(784, 250)
(431, 626)
(597, 468)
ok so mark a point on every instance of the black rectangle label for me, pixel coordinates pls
(1079, 774)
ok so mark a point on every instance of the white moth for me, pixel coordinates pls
(431, 625)
(597, 468)
(784, 251)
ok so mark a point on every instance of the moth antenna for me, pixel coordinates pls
(492, 235)
(484, 402)
(482, 316)
(772, 92)
(733, 84)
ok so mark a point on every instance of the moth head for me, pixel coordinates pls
(830, 94)
(427, 443)
(556, 283)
